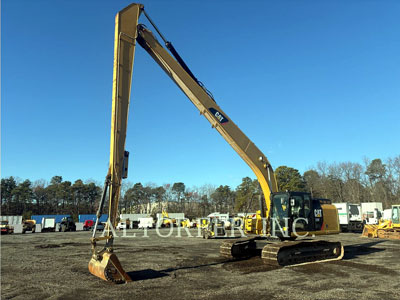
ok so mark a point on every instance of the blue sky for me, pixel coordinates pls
(307, 81)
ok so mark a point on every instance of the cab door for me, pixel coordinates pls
(280, 222)
(301, 212)
(396, 214)
(316, 215)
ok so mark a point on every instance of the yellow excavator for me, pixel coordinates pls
(292, 213)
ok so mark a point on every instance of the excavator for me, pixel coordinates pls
(292, 213)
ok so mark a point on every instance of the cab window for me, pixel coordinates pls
(395, 215)
(280, 206)
(301, 207)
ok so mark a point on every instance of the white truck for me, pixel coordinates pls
(387, 214)
(350, 217)
(371, 212)
(146, 223)
(48, 224)
(122, 225)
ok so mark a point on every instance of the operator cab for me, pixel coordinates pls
(294, 211)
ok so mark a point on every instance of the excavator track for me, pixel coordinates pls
(237, 249)
(301, 252)
(284, 253)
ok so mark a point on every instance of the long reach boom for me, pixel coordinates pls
(128, 31)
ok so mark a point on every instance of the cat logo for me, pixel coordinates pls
(220, 117)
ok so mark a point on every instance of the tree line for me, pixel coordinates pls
(372, 181)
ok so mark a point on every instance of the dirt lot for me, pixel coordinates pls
(54, 266)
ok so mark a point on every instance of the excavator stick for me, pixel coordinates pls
(105, 264)
(108, 267)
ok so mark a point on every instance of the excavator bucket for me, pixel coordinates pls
(108, 268)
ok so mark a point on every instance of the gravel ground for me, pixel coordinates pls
(54, 266)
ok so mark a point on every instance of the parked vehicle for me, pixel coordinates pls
(371, 212)
(165, 220)
(88, 224)
(350, 217)
(135, 224)
(387, 229)
(215, 228)
(48, 224)
(29, 225)
(122, 225)
(6, 228)
(67, 224)
(146, 223)
(372, 217)
(100, 227)
(187, 223)
(317, 217)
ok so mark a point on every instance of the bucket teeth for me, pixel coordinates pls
(108, 268)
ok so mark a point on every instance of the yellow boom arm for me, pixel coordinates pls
(124, 51)
(219, 120)
(104, 264)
